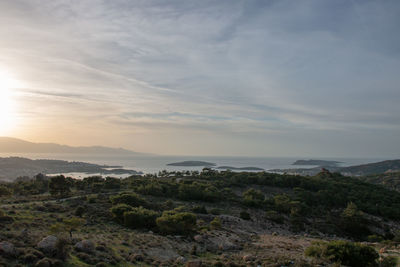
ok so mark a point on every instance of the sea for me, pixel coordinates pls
(154, 163)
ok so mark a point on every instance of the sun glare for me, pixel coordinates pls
(7, 102)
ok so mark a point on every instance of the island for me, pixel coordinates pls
(239, 168)
(317, 162)
(192, 163)
(14, 167)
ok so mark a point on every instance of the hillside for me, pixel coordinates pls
(13, 167)
(372, 168)
(14, 145)
(206, 219)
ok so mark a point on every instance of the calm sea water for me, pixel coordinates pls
(154, 164)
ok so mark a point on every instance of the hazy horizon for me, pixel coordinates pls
(223, 78)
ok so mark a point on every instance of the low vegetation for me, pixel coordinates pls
(219, 218)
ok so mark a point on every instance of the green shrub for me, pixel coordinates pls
(119, 210)
(140, 218)
(253, 198)
(245, 215)
(172, 222)
(4, 191)
(216, 223)
(215, 211)
(131, 199)
(375, 238)
(389, 261)
(274, 216)
(198, 191)
(199, 209)
(282, 203)
(80, 211)
(344, 252)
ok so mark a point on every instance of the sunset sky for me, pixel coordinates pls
(252, 78)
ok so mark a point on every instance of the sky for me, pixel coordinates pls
(222, 77)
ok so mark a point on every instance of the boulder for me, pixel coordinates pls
(198, 238)
(7, 249)
(46, 262)
(194, 264)
(48, 244)
(86, 246)
(248, 258)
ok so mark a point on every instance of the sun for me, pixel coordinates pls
(7, 101)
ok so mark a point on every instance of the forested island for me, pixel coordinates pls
(13, 167)
(239, 168)
(317, 162)
(192, 163)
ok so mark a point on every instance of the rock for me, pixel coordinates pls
(85, 246)
(248, 258)
(180, 260)
(48, 244)
(198, 238)
(194, 264)
(43, 263)
(136, 257)
(7, 249)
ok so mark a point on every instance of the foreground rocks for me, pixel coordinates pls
(48, 244)
(7, 249)
(86, 246)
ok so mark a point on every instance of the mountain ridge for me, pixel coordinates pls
(15, 145)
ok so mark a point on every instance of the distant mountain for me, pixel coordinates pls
(387, 166)
(14, 145)
(317, 162)
(192, 163)
(373, 168)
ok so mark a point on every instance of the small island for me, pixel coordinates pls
(317, 162)
(239, 168)
(192, 163)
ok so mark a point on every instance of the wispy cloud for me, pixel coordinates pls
(244, 71)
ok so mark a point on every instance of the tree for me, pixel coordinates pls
(172, 222)
(253, 197)
(4, 191)
(59, 186)
(68, 225)
(353, 221)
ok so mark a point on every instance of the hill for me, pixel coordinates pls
(14, 145)
(192, 163)
(209, 218)
(323, 163)
(13, 167)
(372, 168)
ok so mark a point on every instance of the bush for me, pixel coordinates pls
(215, 211)
(274, 216)
(344, 252)
(80, 211)
(119, 210)
(140, 218)
(172, 222)
(216, 223)
(131, 199)
(4, 191)
(375, 238)
(199, 209)
(245, 215)
(253, 198)
(389, 261)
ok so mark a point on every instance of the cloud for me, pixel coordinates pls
(256, 68)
